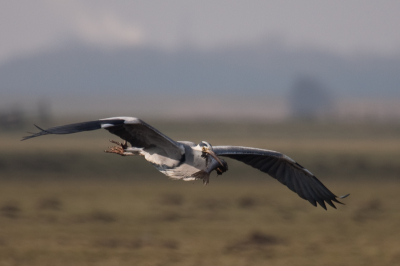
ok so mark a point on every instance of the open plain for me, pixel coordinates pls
(65, 202)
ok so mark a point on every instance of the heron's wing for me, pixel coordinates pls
(283, 168)
(135, 131)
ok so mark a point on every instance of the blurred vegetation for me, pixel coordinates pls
(65, 202)
(329, 150)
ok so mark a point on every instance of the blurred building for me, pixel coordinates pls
(309, 99)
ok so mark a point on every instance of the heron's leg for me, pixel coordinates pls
(135, 150)
(120, 149)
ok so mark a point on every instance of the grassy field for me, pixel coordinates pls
(64, 202)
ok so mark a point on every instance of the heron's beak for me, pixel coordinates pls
(207, 150)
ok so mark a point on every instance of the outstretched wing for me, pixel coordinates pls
(283, 168)
(135, 131)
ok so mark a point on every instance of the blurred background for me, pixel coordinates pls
(146, 58)
(316, 80)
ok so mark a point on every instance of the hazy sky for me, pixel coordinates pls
(342, 26)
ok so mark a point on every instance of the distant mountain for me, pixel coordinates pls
(257, 70)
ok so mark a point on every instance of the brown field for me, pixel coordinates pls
(64, 202)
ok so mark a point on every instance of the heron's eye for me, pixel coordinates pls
(204, 144)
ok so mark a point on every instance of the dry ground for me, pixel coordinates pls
(176, 223)
(63, 202)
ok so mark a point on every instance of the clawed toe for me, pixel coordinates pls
(120, 149)
(124, 145)
(115, 142)
(116, 150)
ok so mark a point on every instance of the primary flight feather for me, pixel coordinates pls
(187, 161)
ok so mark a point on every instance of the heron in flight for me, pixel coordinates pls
(187, 161)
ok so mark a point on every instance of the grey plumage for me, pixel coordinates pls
(285, 170)
(188, 161)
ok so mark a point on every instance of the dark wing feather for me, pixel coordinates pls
(135, 131)
(72, 128)
(285, 170)
(142, 135)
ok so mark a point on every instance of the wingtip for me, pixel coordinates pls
(27, 137)
(322, 204)
(341, 197)
(38, 127)
(330, 203)
(33, 134)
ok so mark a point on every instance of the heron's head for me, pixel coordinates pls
(205, 144)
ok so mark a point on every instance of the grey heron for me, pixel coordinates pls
(187, 161)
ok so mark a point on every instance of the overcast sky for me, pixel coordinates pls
(346, 26)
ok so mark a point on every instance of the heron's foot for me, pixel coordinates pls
(120, 149)
(123, 145)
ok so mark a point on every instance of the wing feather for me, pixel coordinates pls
(135, 131)
(285, 170)
(72, 128)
